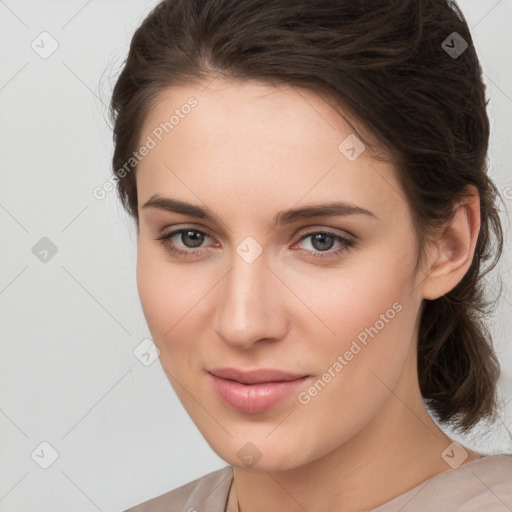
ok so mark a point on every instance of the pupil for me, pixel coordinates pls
(197, 238)
(322, 239)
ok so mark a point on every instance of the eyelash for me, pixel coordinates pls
(345, 246)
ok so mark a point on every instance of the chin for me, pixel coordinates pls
(261, 452)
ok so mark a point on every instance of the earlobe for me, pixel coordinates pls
(452, 253)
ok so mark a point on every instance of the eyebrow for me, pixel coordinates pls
(332, 208)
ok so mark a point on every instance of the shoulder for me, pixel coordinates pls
(209, 492)
(484, 484)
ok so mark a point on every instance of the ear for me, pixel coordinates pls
(451, 255)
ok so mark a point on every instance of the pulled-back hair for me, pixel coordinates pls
(390, 67)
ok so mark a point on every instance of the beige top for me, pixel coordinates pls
(482, 485)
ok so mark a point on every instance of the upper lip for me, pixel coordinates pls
(255, 376)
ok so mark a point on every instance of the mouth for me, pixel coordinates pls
(256, 390)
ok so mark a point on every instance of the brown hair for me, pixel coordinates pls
(387, 64)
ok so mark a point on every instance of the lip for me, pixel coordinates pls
(255, 376)
(255, 390)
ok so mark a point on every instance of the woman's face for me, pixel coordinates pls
(258, 280)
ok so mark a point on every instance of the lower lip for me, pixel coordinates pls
(254, 398)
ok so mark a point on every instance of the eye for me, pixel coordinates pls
(191, 239)
(323, 241)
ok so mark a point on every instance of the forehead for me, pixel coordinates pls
(272, 145)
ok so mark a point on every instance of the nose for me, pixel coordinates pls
(250, 306)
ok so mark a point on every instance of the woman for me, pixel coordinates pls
(308, 181)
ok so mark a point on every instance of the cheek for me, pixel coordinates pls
(373, 317)
(172, 298)
(347, 301)
(366, 314)
(163, 297)
(153, 293)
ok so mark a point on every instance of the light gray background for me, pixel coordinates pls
(69, 326)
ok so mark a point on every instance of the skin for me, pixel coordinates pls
(246, 152)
